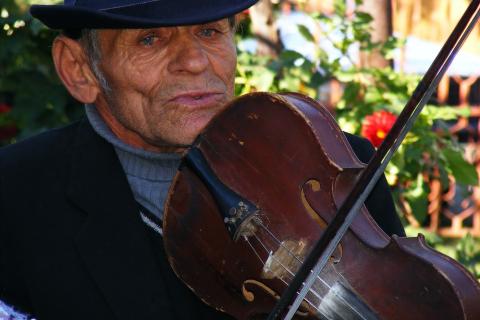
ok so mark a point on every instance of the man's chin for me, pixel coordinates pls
(198, 123)
(175, 143)
(185, 134)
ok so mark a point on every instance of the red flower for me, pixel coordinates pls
(376, 126)
(8, 132)
(4, 108)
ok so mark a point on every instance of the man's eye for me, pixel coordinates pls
(209, 32)
(148, 40)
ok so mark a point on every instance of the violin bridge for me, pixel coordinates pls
(285, 261)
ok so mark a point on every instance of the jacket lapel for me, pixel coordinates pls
(112, 242)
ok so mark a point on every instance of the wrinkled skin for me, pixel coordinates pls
(166, 83)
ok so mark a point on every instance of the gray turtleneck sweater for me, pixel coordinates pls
(149, 174)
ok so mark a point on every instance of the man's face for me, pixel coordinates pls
(166, 83)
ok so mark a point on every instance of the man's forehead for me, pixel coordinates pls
(130, 31)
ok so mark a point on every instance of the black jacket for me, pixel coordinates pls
(72, 244)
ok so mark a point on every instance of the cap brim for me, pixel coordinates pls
(147, 15)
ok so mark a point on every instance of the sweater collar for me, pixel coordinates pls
(135, 161)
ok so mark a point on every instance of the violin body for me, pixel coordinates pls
(287, 156)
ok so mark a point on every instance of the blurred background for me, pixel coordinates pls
(361, 59)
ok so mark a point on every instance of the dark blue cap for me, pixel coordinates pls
(117, 14)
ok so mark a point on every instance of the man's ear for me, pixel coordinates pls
(73, 69)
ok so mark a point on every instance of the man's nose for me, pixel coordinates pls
(190, 57)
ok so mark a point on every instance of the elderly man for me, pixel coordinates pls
(81, 206)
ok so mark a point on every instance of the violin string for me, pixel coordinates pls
(255, 251)
(280, 278)
(300, 261)
(279, 243)
(285, 267)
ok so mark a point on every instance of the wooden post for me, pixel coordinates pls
(381, 11)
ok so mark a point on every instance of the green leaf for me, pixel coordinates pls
(290, 56)
(263, 81)
(431, 237)
(416, 196)
(346, 76)
(445, 113)
(363, 17)
(463, 171)
(305, 33)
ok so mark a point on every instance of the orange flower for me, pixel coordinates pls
(376, 126)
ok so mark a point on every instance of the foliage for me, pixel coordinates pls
(465, 250)
(28, 81)
(425, 153)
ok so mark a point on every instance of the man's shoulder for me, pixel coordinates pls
(362, 147)
(41, 148)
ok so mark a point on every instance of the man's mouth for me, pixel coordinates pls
(198, 99)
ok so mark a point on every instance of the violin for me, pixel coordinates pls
(271, 184)
(288, 167)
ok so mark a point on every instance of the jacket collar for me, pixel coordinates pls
(112, 242)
